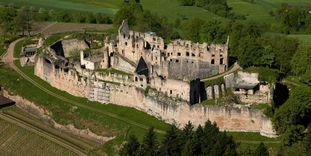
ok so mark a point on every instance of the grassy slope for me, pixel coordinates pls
(64, 4)
(304, 39)
(258, 11)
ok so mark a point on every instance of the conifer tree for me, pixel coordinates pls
(149, 146)
(131, 147)
(261, 150)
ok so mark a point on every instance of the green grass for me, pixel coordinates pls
(251, 141)
(53, 38)
(113, 71)
(261, 106)
(303, 38)
(18, 49)
(109, 7)
(172, 10)
(260, 9)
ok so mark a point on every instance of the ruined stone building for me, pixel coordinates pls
(139, 70)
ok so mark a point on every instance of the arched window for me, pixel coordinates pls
(222, 61)
(213, 61)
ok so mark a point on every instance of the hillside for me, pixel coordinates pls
(256, 10)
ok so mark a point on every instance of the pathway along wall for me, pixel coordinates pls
(171, 111)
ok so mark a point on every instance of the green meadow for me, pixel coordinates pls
(258, 10)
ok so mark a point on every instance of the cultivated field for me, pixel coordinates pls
(257, 10)
(47, 28)
(76, 5)
(15, 140)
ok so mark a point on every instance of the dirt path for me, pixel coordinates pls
(9, 59)
(42, 133)
(9, 55)
(233, 69)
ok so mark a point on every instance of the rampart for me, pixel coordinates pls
(170, 110)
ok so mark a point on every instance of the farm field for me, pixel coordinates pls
(47, 28)
(64, 5)
(16, 140)
(258, 10)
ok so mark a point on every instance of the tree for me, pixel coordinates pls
(261, 150)
(149, 146)
(293, 18)
(214, 32)
(292, 134)
(250, 51)
(284, 49)
(187, 149)
(171, 144)
(23, 20)
(295, 111)
(192, 28)
(301, 60)
(7, 16)
(130, 12)
(131, 147)
(307, 142)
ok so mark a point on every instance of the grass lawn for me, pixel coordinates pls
(18, 49)
(251, 140)
(304, 39)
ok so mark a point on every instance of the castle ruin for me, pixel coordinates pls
(139, 70)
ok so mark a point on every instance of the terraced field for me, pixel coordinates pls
(15, 140)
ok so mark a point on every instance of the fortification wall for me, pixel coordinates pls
(178, 112)
(169, 109)
(190, 69)
(68, 81)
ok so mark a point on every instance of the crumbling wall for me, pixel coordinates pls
(73, 45)
(190, 69)
(168, 109)
(178, 112)
(121, 64)
(69, 81)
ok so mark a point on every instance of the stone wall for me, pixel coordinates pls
(190, 69)
(168, 109)
(69, 81)
(178, 112)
